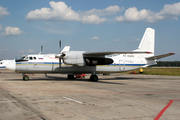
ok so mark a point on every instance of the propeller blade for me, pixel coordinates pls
(60, 45)
(60, 55)
(41, 48)
(59, 64)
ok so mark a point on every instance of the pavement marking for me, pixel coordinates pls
(164, 109)
(73, 100)
(51, 100)
(8, 101)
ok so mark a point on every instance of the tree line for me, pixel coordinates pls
(168, 64)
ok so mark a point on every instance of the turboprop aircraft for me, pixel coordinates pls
(78, 62)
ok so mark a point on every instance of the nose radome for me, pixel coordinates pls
(11, 66)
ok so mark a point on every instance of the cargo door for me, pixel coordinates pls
(121, 65)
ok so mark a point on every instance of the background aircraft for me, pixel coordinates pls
(3, 63)
(78, 62)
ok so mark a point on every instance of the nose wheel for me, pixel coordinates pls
(25, 77)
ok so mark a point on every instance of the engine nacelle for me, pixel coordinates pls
(74, 58)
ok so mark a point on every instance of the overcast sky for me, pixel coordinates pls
(88, 25)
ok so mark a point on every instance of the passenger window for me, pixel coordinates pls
(34, 58)
(30, 58)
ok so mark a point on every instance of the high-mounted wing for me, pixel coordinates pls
(99, 58)
(110, 53)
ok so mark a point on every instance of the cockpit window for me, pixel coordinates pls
(24, 58)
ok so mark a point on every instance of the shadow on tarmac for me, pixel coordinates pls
(54, 78)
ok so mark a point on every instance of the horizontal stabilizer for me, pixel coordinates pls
(159, 56)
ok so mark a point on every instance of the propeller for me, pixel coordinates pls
(60, 46)
(60, 55)
(41, 48)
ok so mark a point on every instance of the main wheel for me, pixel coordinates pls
(70, 76)
(94, 78)
(25, 78)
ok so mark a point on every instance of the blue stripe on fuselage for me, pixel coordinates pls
(46, 63)
(2, 67)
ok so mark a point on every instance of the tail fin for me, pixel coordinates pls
(147, 42)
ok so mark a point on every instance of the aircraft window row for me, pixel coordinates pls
(32, 58)
(28, 58)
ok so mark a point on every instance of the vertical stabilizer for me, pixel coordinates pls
(147, 42)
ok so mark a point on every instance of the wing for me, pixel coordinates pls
(110, 53)
(159, 56)
(99, 58)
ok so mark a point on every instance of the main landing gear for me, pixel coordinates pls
(93, 77)
(70, 76)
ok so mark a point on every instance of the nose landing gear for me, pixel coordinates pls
(25, 77)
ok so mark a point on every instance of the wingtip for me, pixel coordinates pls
(150, 52)
(171, 53)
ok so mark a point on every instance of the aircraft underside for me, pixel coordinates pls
(72, 70)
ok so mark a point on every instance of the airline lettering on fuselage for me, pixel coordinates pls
(129, 61)
(130, 55)
(54, 58)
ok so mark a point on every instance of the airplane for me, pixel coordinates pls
(3, 63)
(78, 62)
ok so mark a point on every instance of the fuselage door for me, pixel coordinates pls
(121, 65)
(53, 62)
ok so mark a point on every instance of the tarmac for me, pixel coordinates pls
(114, 97)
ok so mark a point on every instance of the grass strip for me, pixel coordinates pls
(159, 71)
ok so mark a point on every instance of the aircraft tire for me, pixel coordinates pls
(70, 76)
(25, 78)
(94, 78)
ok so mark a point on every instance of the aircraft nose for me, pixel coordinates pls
(11, 66)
